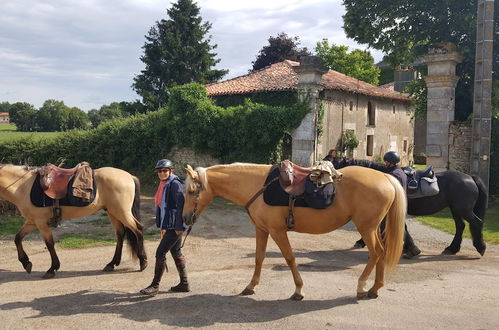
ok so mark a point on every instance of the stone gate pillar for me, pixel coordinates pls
(304, 145)
(441, 82)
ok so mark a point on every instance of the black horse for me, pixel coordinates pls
(465, 195)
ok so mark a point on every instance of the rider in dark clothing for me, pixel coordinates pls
(391, 167)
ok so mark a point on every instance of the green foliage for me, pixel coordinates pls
(404, 28)
(418, 91)
(176, 52)
(357, 63)
(494, 158)
(280, 48)
(24, 116)
(275, 98)
(249, 132)
(350, 140)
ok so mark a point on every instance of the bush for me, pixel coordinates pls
(494, 158)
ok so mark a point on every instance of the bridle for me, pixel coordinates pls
(192, 219)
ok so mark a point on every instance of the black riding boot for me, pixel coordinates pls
(153, 289)
(183, 286)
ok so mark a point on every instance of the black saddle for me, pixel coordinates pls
(421, 183)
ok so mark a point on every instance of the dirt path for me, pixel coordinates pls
(432, 291)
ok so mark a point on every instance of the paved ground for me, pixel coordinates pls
(432, 291)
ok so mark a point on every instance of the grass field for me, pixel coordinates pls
(444, 221)
(8, 132)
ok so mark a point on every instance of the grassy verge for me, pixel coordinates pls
(10, 225)
(8, 132)
(443, 221)
(71, 241)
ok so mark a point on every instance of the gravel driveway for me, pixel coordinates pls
(432, 291)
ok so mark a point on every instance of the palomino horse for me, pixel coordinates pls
(363, 196)
(118, 192)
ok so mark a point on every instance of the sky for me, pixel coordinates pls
(87, 52)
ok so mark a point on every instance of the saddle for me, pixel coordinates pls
(421, 183)
(54, 182)
(314, 184)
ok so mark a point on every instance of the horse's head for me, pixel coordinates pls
(197, 194)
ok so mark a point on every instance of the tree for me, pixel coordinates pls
(24, 116)
(280, 48)
(358, 63)
(55, 116)
(176, 52)
(4, 106)
(404, 28)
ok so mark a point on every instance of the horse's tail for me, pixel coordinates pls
(136, 239)
(394, 230)
(481, 202)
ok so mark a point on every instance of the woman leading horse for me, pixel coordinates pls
(118, 192)
(363, 196)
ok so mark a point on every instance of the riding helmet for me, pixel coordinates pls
(392, 157)
(164, 163)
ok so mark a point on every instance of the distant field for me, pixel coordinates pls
(8, 132)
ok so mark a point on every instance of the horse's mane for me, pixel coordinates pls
(202, 177)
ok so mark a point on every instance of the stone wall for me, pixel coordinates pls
(183, 156)
(459, 146)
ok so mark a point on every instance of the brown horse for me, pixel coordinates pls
(363, 196)
(118, 192)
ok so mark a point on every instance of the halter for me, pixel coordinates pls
(197, 192)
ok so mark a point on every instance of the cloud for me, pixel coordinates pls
(87, 52)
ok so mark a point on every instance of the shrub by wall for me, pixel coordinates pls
(494, 158)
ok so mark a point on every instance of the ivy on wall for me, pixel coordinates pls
(494, 158)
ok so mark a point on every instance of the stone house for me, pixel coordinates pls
(379, 117)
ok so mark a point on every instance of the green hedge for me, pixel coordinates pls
(248, 132)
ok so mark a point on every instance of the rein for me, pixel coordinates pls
(13, 183)
(193, 215)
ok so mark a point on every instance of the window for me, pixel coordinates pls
(393, 108)
(370, 145)
(405, 145)
(351, 106)
(370, 114)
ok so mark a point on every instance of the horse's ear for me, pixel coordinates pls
(190, 171)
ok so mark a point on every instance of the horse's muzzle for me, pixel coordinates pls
(190, 219)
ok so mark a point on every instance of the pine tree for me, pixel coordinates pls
(177, 51)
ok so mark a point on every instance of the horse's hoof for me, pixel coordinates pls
(247, 292)
(28, 267)
(108, 268)
(372, 294)
(296, 297)
(48, 275)
(361, 295)
(143, 265)
(449, 252)
(481, 249)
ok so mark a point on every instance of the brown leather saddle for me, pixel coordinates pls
(292, 177)
(54, 180)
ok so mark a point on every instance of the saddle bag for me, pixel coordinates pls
(318, 197)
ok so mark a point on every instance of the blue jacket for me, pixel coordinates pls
(172, 206)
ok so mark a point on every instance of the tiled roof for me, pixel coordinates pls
(281, 76)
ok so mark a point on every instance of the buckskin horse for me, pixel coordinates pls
(118, 192)
(363, 196)
(465, 195)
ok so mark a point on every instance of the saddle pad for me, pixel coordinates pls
(274, 195)
(40, 199)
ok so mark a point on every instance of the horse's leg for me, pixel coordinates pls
(21, 254)
(410, 249)
(49, 242)
(282, 241)
(261, 246)
(120, 234)
(476, 227)
(374, 255)
(455, 246)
